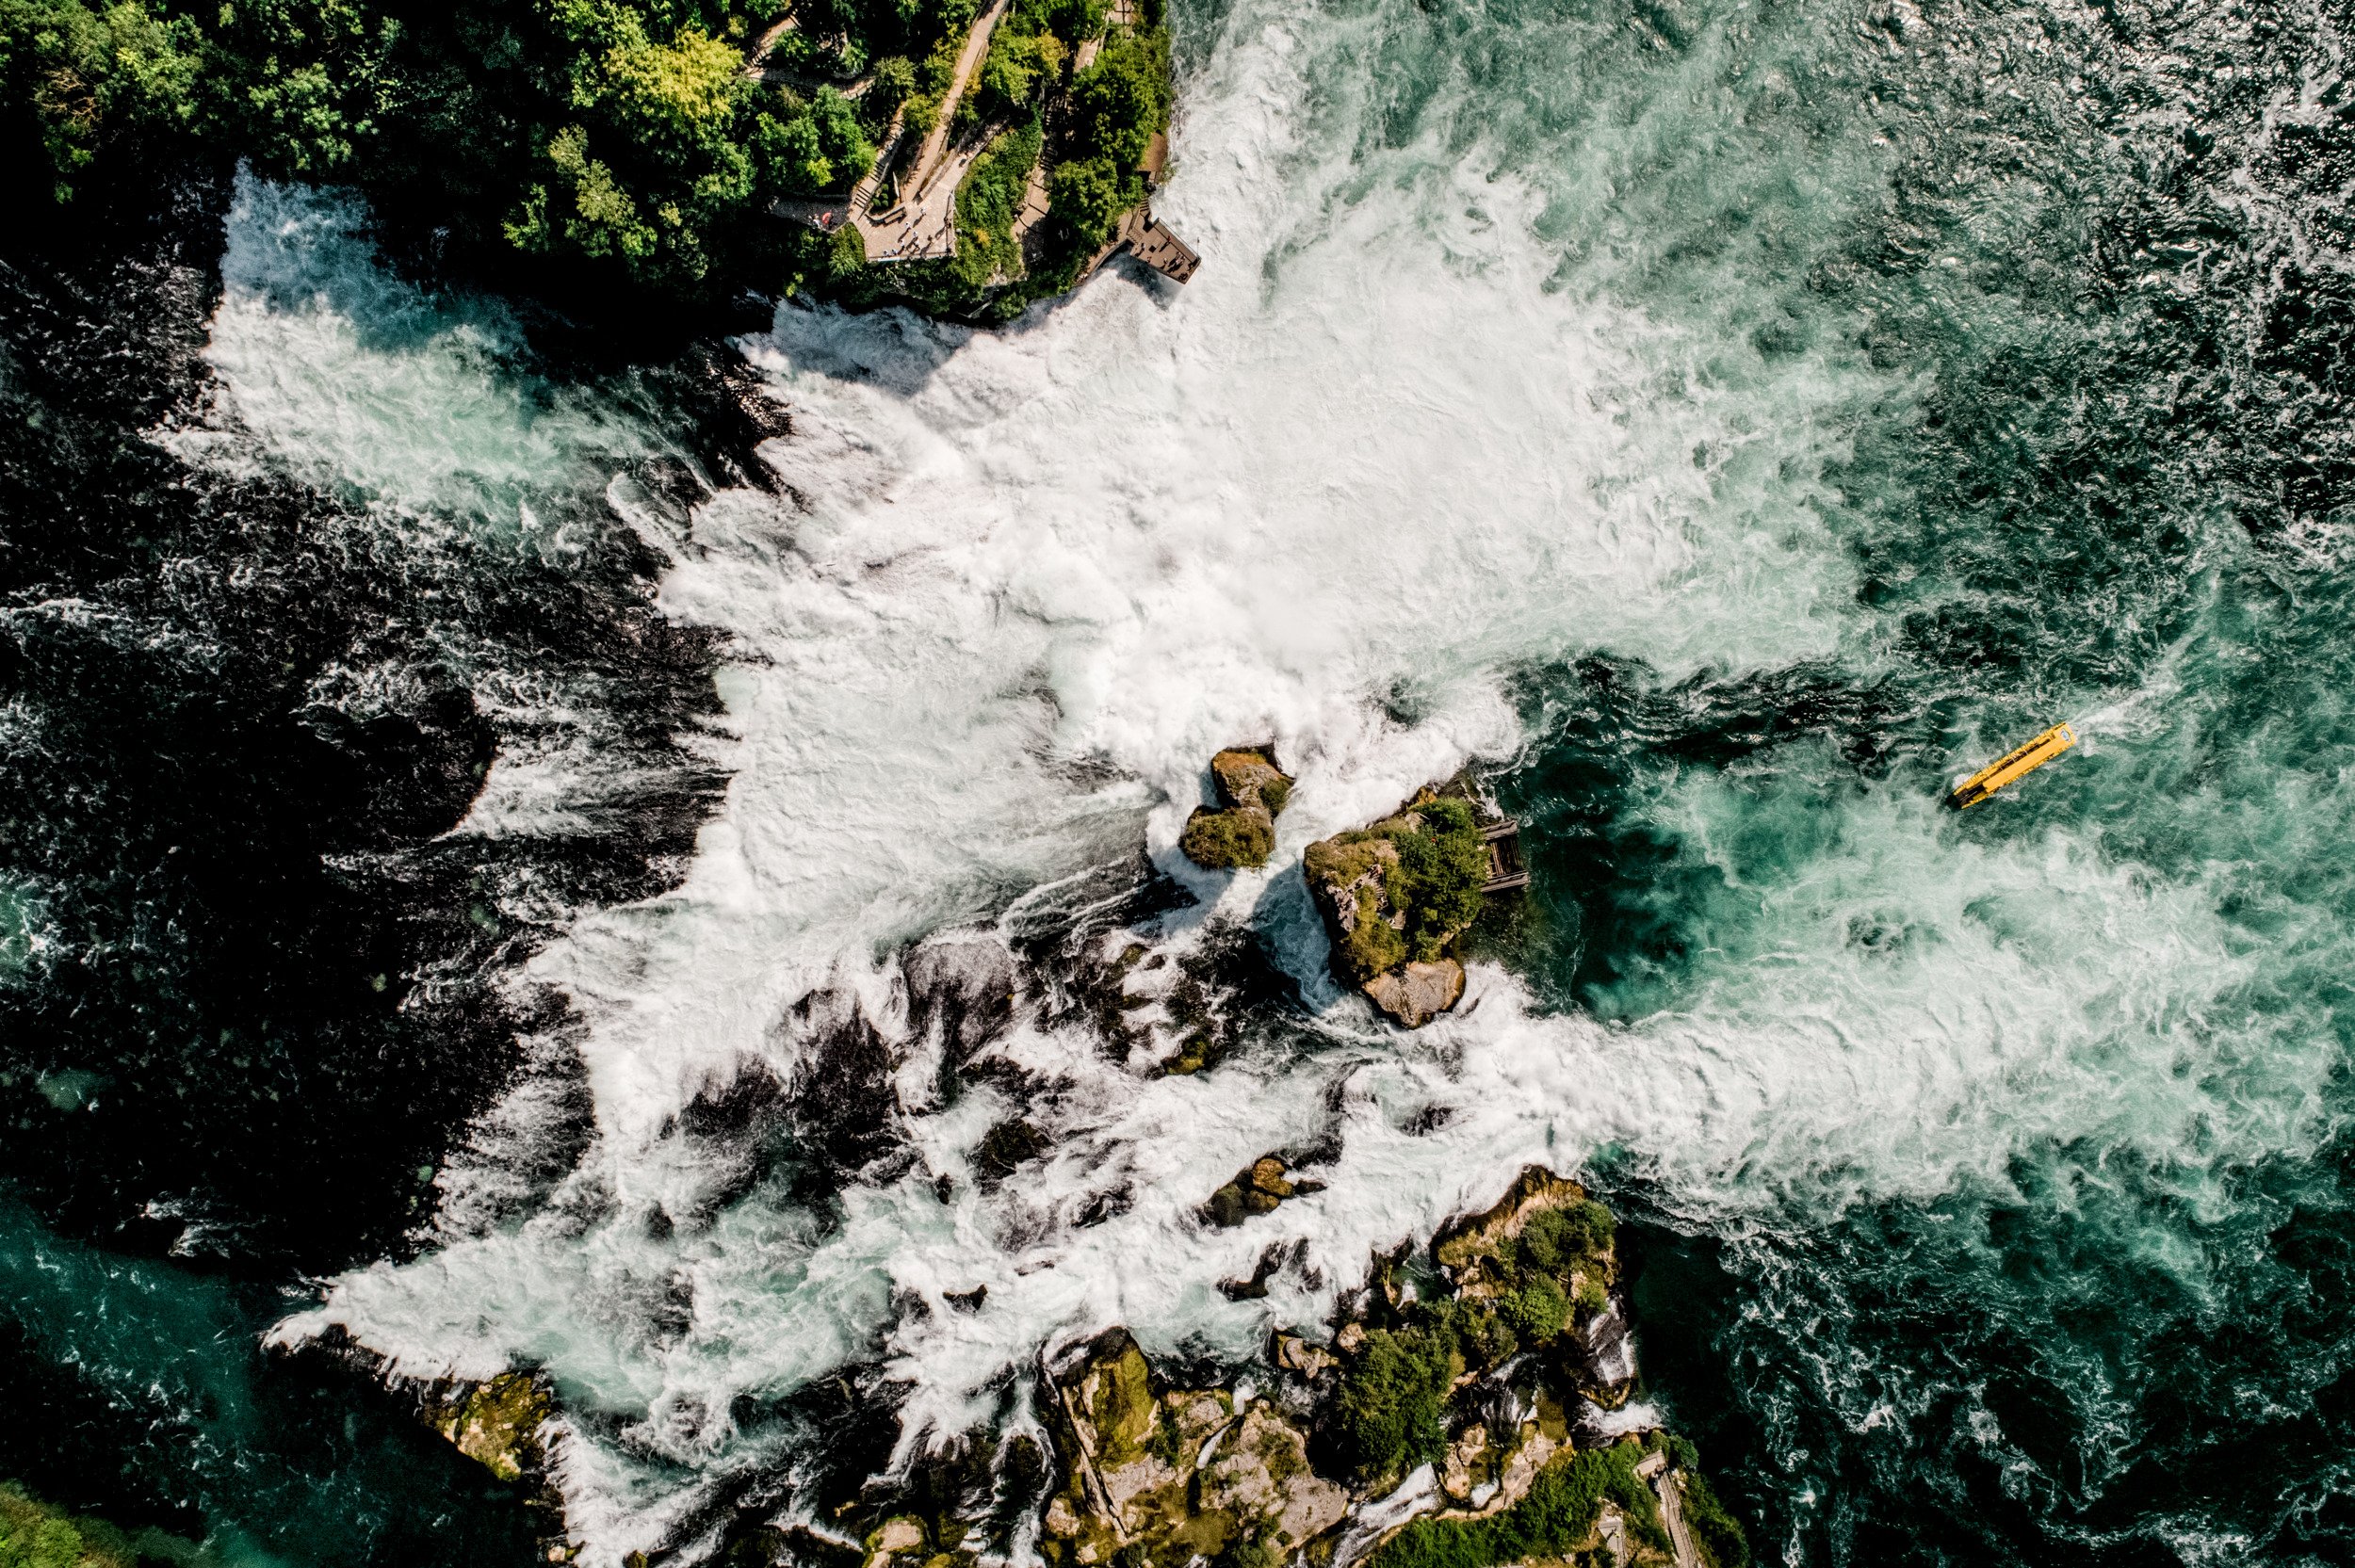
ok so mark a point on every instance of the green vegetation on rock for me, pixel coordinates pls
(1165, 1476)
(1391, 1415)
(1558, 1514)
(1241, 830)
(987, 204)
(1717, 1532)
(1401, 890)
(1441, 865)
(1118, 105)
(497, 1424)
(1518, 1271)
(34, 1535)
(1229, 840)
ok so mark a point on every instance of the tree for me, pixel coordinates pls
(1120, 102)
(78, 78)
(1090, 196)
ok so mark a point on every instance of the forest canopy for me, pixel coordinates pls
(624, 137)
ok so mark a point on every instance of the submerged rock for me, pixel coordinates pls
(1241, 830)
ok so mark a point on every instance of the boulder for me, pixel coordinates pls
(497, 1424)
(1247, 776)
(1257, 1188)
(1418, 993)
(1241, 830)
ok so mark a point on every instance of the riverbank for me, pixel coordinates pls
(624, 161)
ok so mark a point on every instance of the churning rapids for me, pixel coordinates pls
(1716, 421)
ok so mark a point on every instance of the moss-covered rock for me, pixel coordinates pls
(1396, 896)
(1249, 776)
(1257, 1188)
(1229, 840)
(497, 1424)
(502, 1424)
(1162, 1477)
(1239, 832)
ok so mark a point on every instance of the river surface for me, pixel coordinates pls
(1721, 423)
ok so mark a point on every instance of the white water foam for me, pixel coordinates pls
(1330, 494)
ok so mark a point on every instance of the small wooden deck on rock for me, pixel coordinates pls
(1505, 870)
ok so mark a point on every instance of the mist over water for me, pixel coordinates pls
(1721, 423)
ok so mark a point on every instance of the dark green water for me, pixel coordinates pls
(2101, 253)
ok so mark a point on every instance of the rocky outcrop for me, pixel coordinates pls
(1396, 898)
(1257, 1188)
(1471, 1371)
(1162, 1477)
(1241, 830)
(1158, 1477)
(1418, 992)
(497, 1424)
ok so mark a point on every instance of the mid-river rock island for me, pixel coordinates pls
(1460, 1418)
(1239, 831)
(1396, 896)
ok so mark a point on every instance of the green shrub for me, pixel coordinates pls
(1225, 840)
(1560, 1510)
(1554, 1239)
(90, 75)
(894, 83)
(1275, 795)
(988, 202)
(1375, 946)
(1592, 1298)
(1718, 1533)
(1391, 1415)
(1243, 1551)
(1119, 103)
(1072, 21)
(1536, 1312)
(1479, 1333)
(1441, 868)
(34, 1535)
(1090, 195)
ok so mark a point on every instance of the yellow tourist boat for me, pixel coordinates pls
(2012, 767)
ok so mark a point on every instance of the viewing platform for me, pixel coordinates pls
(1505, 870)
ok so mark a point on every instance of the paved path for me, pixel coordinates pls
(1672, 1509)
(968, 61)
(924, 224)
(923, 221)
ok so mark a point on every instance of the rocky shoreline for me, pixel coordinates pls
(1471, 1406)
